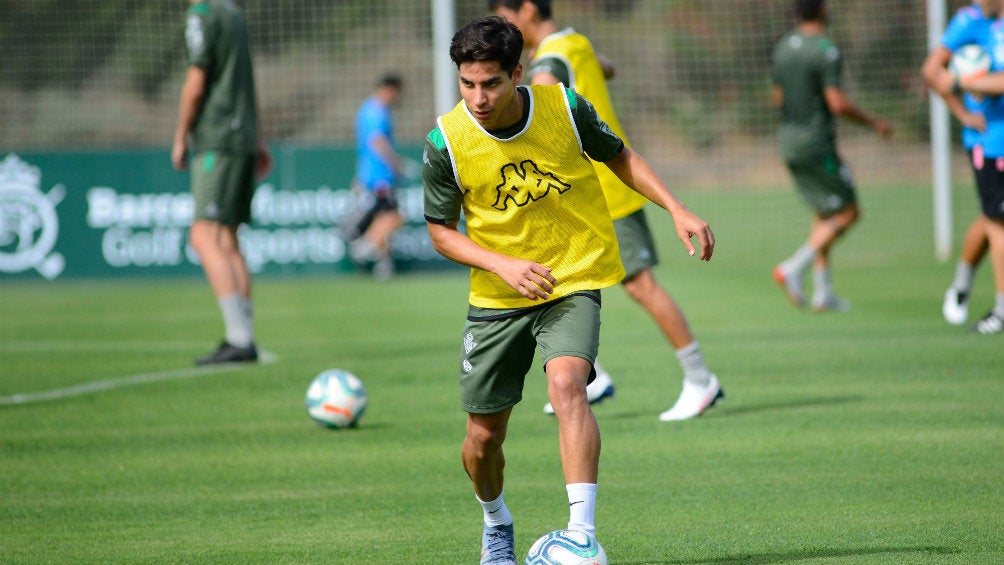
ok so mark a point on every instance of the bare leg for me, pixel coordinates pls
(482, 453)
(995, 236)
(825, 231)
(578, 432)
(644, 289)
(222, 261)
(381, 229)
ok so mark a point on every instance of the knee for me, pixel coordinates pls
(640, 286)
(848, 217)
(209, 236)
(566, 389)
(854, 215)
(199, 237)
(484, 441)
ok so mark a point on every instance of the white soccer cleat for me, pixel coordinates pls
(955, 308)
(989, 324)
(831, 303)
(791, 285)
(693, 401)
(601, 388)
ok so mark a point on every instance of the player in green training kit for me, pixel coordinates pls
(218, 124)
(806, 71)
(514, 160)
(567, 57)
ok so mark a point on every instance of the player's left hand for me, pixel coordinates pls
(688, 226)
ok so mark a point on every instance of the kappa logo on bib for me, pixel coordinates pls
(525, 183)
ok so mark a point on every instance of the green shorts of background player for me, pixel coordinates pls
(826, 184)
(223, 186)
(637, 246)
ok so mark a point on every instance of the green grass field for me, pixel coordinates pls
(870, 437)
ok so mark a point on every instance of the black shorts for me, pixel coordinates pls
(382, 200)
(989, 173)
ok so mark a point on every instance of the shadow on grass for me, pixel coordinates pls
(725, 410)
(786, 557)
(783, 405)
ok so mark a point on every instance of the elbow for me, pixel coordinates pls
(839, 108)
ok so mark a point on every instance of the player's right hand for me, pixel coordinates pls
(179, 155)
(532, 280)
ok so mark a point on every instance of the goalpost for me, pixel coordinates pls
(940, 145)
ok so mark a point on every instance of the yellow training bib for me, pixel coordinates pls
(533, 196)
(586, 76)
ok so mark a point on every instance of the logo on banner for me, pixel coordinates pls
(29, 225)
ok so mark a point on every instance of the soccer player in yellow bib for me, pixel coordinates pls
(565, 56)
(514, 161)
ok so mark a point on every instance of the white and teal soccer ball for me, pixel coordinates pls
(566, 547)
(970, 61)
(336, 399)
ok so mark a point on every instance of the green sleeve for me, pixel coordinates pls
(833, 64)
(199, 35)
(598, 141)
(442, 196)
(551, 65)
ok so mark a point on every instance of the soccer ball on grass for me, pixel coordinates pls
(566, 547)
(336, 399)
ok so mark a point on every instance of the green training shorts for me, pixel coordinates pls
(825, 184)
(636, 243)
(496, 353)
(223, 184)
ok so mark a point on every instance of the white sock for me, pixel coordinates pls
(822, 283)
(582, 507)
(496, 512)
(999, 305)
(963, 281)
(695, 371)
(238, 320)
(799, 261)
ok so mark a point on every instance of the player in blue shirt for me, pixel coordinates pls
(377, 169)
(988, 163)
(970, 25)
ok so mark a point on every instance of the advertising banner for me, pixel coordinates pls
(127, 213)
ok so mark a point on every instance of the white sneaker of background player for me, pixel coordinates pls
(601, 387)
(693, 400)
(955, 308)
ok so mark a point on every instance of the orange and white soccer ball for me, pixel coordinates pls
(969, 62)
(336, 399)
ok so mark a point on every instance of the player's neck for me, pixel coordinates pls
(541, 30)
(812, 27)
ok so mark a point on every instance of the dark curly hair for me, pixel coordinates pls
(488, 39)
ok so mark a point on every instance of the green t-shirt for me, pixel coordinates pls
(217, 39)
(552, 65)
(803, 66)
